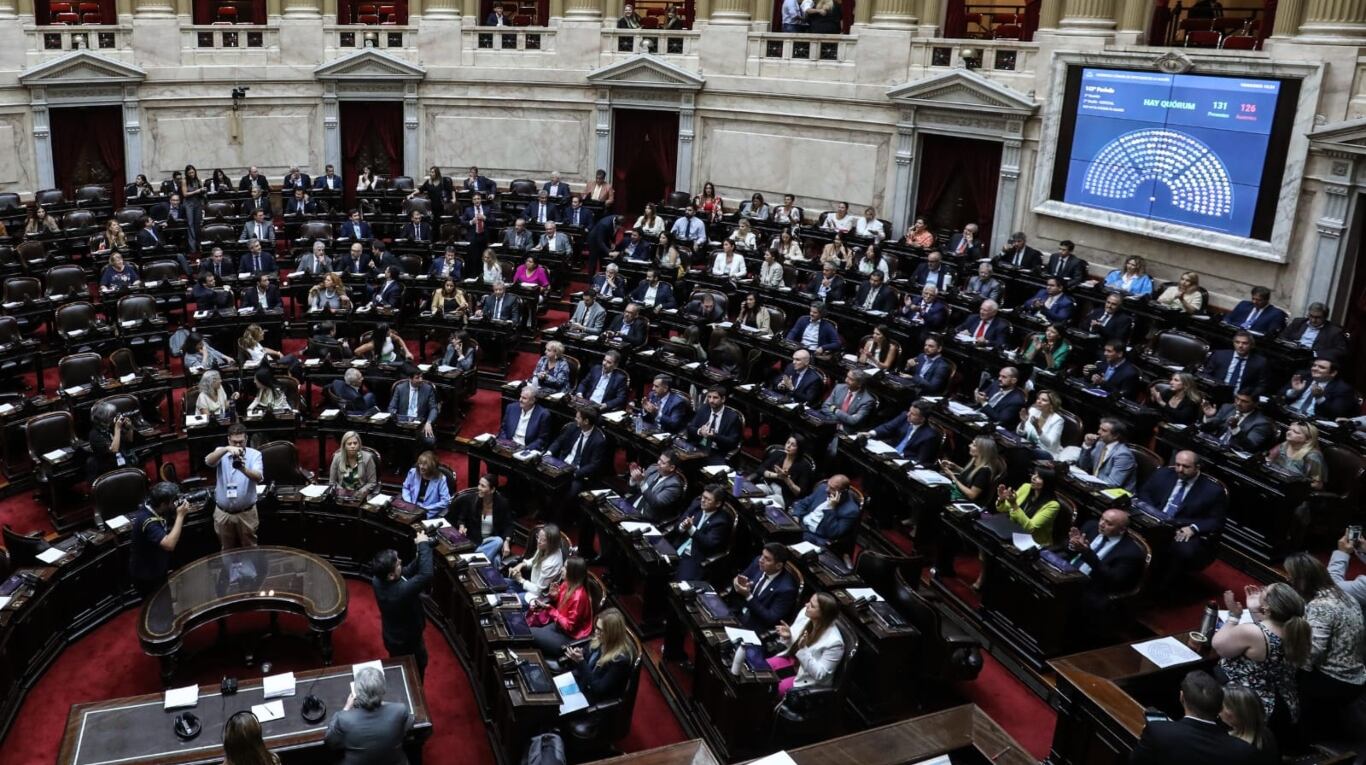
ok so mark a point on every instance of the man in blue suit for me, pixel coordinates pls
(1116, 374)
(1257, 314)
(583, 447)
(576, 214)
(328, 181)
(715, 427)
(910, 434)
(929, 371)
(799, 380)
(633, 247)
(767, 591)
(664, 407)
(389, 294)
(702, 531)
(1050, 303)
(447, 265)
(1105, 456)
(605, 384)
(829, 513)
(1002, 400)
(542, 211)
(986, 328)
(1321, 393)
(355, 228)
(525, 422)
(256, 261)
(556, 187)
(630, 327)
(1195, 503)
(474, 182)
(653, 293)
(814, 333)
(1240, 367)
(414, 399)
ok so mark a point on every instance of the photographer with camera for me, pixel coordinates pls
(111, 439)
(234, 493)
(154, 539)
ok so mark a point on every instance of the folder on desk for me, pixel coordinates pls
(714, 606)
(516, 624)
(1000, 525)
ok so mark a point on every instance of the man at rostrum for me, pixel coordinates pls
(234, 493)
(398, 593)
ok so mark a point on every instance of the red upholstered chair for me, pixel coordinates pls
(649, 22)
(66, 18)
(1007, 32)
(55, 8)
(369, 19)
(1226, 24)
(227, 14)
(1195, 25)
(1240, 42)
(521, 21)
(1202, 39)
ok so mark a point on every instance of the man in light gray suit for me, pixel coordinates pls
(656, 492)
(850, 404)
(553, 240)
(1106, 456)
(369, 730)
(589, 315)
(984, 285)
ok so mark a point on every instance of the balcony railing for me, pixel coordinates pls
(350, 36)
(834, 49)
(1003, 56)
(229, 37)
(477, 41)
(663, 42)
(60, 39)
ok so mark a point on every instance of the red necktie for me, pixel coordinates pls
(981, 330)
(479, 220)
(848, 399)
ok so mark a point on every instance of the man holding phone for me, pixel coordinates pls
(398, 593)
(234, 493)
(1350, 544)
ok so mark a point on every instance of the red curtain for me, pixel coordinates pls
(372, 131)
(75, 132)
(645, 157)
(937, 166)
(956, 19)
(983, 172)
(977, 163)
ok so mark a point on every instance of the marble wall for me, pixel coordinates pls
(271, 137)
(510, 141)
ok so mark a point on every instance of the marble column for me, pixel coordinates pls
(1328, 245)
(9, 9)
(583, 10)
(1087, 17)
(1050, 11)
(862, 14)
(412, 134)
(894, 14)
(1003, 217)
(931, 11)
(300, 9)
(470, 10)
(763, 13)
(1134, 15)
(132, 134)
(332, 153)
(1289, 13)
(164, 9)
(1333, 19)
(602, 131)
(441, 9)
(686, 125)
(727, 12)
(900, 211)
(42, 139)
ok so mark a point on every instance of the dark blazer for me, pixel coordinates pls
(1270, 322)
(1120, 326)
(1205, 504)
(364, 265)
(885, 300)
(1254, 369)
(490, 218)
(301, 182)
(370, 736)
(664, 295)
(1060, 312)
(560, 189)
(972, 251)
(642, 250)
(829, 339)
(998, 332)
(1072, 273)
(479, 183)
(602, 236)
(391, 294)
(1006, 412)
(511, 308)
(592, 458)
(933, 317)
(924, 445)
(400, 602)
(614, 397)
(249, 263)
(633, 335)
(533, 208)
(353, 230)
(1119, 570)
(427, 405)
(837, 523)
(1256, 433)
(923, 276)
(537, 430)
(1124, 381)
(457, 268)
(727, 435)
(708, 538)
(1030, 259)
(934, 380)
(209, 298)
(1339, 399)
(616, 291)
(246, 183)
(334, 183)
(602, 680)
(672, 412)
(1191, 742)
(251, 298)
(659, 502)
(580, 218)
(226, 268)
(808, 390)
(776, 603)
(834, 292)
(300, 206)
(417, 232)
(262, 202)
(354, 400)
(1331, 338)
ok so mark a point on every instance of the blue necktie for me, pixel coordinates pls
(901, 447)
(1177, 497)
(1235, 372)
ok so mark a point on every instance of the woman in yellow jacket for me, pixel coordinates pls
(1033, 506)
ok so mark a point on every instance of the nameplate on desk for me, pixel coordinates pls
(118, 522)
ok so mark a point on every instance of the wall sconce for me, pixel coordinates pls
(371, 39)
(972, 58)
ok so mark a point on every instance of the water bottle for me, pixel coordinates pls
(737, 663)
(1210, 619)
(735, 484)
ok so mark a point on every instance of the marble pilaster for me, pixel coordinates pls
(1333, 20)
(729, 12)
(1087, 17)
(302, 9)
(894, 14)
(583, 10)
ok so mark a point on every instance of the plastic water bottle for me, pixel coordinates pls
(737, 663)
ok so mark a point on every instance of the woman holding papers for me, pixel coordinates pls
(813, 644)
(483, 517)
(353, 468)
(536, 574)
(604, 671)
(567, 615)
(426, 487)
(530, 272)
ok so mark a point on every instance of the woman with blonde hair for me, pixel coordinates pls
(973, 481)
(604, 672)
(252, 344)
(1181, 402)
(490, 270)
(743, 235)
(813, 644)
(552, 369)
(534, 575)
(111, 239)
(353, 468)
(1300, 454)
(1243, 715)
(1185, 295)
(1263, 654)
(1132, 279)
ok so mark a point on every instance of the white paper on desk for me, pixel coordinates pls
(724, 324)
(1022, 542)
(512, 384)
(7, 408)
(929, 477)
(555, 396)
(313, 362)
(360, 363)
(372, 664)
(849, 357)
(526, 455)
(379, 500)
(1085, 477)
(590, 338)
(864, 593)
(177, 698)
(4, 601)
(901, 463)
(804, 547)
(632, 527)
(600, 493)
(128, 378)
(748, 637)
(571, 698)
(196, 420)
(117, 522)
(482, 438)
(278, 686)
(380, 417)
(274, 710)
(474, 558)
(661, 437)
(960, 410)
(445, 369)
(693, 365)
(328, 414)
(647, 354)
(1166, 652)
(425, 367)
(875, 446)
(794, 406)
(614, 417)
(314, 490)
(716, 471)
(51, 555)
(74, 390)
(492, 599)
(746, 387)
(435, 523)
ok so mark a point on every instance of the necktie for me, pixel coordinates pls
(1305, 404)
(1057, 269)
(763, 582)
(868, 301)
(1101, 545)
(797, 383)
(1177, 497)
(1104, 455)
(962, 245)
(574, 453)
(996, 398)
(848, 399)
(926, 363)
(910, 433)
(1104, 319)
(1109, 372)
(981, 330)
(1235, 372)
(1019, 256)
(540, 217)
(1251, 318)
(498, 308)
(479, 220)
(412, 401)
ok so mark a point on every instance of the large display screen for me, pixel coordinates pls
(1199, 150)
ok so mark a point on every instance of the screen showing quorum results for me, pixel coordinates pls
(1184, 148)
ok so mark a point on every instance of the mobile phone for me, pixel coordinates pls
(1353, 534)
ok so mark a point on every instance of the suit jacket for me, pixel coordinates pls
(1269, 322)
(537, 430)
(1191, 742)
(1030, 259)
(371, 737)
(602, 236)
(997, 333)
(1339, 399)
(353, 230)
(1120, 468)
(829, 339)
(641, 250)
(560, 189)
(664, 295)
(1005, 412)
(226, 268)
(262, 202)
(329, 183)
(1256, 432)
(391, 294)
(479, 183)
(763, 611)
(923, 446)
(310, 265)
(1119, 327)
(860, 407)
(363, 265)
(591, 459)
(532, 212)
(885, 300)
(671, 414)
(837, 523)
(417, 232)
(593, 318)
(708, 537)
(808, 389)
(941, 279)
(1072, 273)
(663, 493)
(1061, 310)
(1124, 381)
(468, 510)
(1121, 567)
(560, 243)
(634, 335)
(834, 292)
(511, 308)
(265, 265)
(352, 398)
(971, 251)
(1254, 369)
(933, 317)
(457, 268)
(401, 617)
(579, 218)
(260, 182)
(933, 380)
(1204, 505)
(251, 298)
(614, 396)
(1330, 339)
(727, 435)
(300, 206)
(469, 215)
(301, 182)
(517, 240)
(987, 289)
(427, 405)
(250, 232)
(601, 287)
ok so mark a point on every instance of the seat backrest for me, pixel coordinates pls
(220, 208)
(1142, 580)
(1181, 348)
(1344, 468)
(9, 200)
(129, 216)
(48, 431)
(79, 315)
(23, 548)
(123, 362)
(161, 270)
(316, 229)
(119, 491)
(218, 233)
(522, 186)
(280, 464)
(418, 204)
(78, 219)
(79, 369)
(678, 199)
(137, 307)
(1064, 520)
(20, 288)
(402, 183)
(49, 197)
(1072, 428)
(65, 279)
(1147, 462)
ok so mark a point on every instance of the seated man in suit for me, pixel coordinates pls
(576, 214)
(295, 179)
(259, 200)
(316, 261)
(829, 514)
(416, 229)
(589, 316)
(218, 264)
(850, 403)
(933, 271)
(827, 285)
(582, 446)
(329, 180)
(500, 306)
(1018, 254)
(1239, 425)
(553, 241)
(1198, 737)
(964, 246)
(1257, 314)
(875, 296)
(814, 332)
(1323, 395)
(1065, 265)
(1051, 303)
(927, 312)
(1240, 367)
(702, 531)
(479, 219)
(449, 265)
(653, 293)
(986, 328)
(253, 180)
(767, 592)
(263, 295)
(357, 261)
(257, 260)
(657, 490)
(799, 380)
(633, 247)
(172, 213)
(703, 308)
(664, 407)
(929, 371)
(555, 187)
(1116, 374)
(259, 228)
(474, 182)
(984, 285)
(355, 227)
(389, 291)
(1105, 456)
(300, 204)
(542, 211)
(609, 284)
(525, 422)
(414, 400)
(910, 434)
(630, 327)
(1113, 562)
(1110, 321)
(349, 390)
(517, 238)
(715, 427)
(1196, 503)
(605, 384)
(1313, 330)
(1002, 400)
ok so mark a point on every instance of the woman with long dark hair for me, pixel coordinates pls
(1333, 678)
(243, 744)
(1034, 505)
(567, 615)
(192, 197)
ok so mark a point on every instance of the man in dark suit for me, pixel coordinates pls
(355, 228)
(300, 204)
(1257, 314)
(605, 383)
(516, 238)
(263, 295)
(1195, 503)
(632, 329)
(474, 182)
(1323, 394)
(874, 296)
(556, 188)
(910, 434)
(633, 247)
(349, 390)
(1110, 321)
(257, 260)
(525, 422)
(1002, 400)
(1239, 425)
(715, 427)
(1239, 368)
(929, 371)
(582, 446)
(415, 400)
(295, 179)
(542, 211)
(398, 593)
(328, 181)
(1065, 265)
(1104, 552)
(1018, 254)
(356, 261)
(664, 407)
(1197, 738)
(1313, 330)
(814, 333)
(218, 264)
(702, 531)
(369, 730)
(389, 292)
(933, 271)
(416, 229)
(1116, 374)
(964, 247)
(827, 285)
(829, 514)
(799, 380)
(448, 264)
(479, 219)
(259, 200)
(986, 328)
(609, 284)
(1051, 303)
(576, 214)
(500, 306)
(253, 180)
(984, 285)
(657, 490)
(766, 591)
(653, 293)
(602, 239)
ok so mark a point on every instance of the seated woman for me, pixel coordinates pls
(425, 486)
(771, 271)
(459, 353)
(111, 240)
(142, 188)
(1264, 654)
(919, 235)
(1041, 425)
(200, 355)
(535, 575)
(710, 206)
(743, 235)
(1300, 453)
(385, 346)
(1185, 295)
(1181, 402)
(1245, 719)
(213, 399)
(254, 350)
(868, 261)
(973, 482)
(1047, 349)
(353, 469)
(269, 396)
(604, 671)
(566, 615)
(1133, 279)
(728, 262)
(753, 315)
(1033, 506)
(813, 644)
(649, 223)
(878, 350)
(784, 475)
(450, 301)
(670, 261)
(837, 252)
(490, 270)
(329, 294)
(552, 369)
(754, 209)
(111, 440)
(39, 222)
(530, 272)
(118, 275)
(788, 247)
(484, 518)
(208, 297)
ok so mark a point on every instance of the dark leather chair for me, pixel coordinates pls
(119, 492)
(130, 217)
(1146, 462)
(220, 209)
(1342, 497)
(813, 714)
(137, 307)
(314, 230)
(79, 221)
(24, 548)
(522, 187)
(418, 204)
(591, 733)
(34, 256)
(6, 567)
(79, 322)
(1072, 428)
(49, 197)
(280, 465)
(678, 199)
(161, 270)
(1177, 351)
(79, 369)
(45, 433)
(21, 289)
(945, 653)
(66, 282)
(218, 233)
(10, 201)
(402, 183)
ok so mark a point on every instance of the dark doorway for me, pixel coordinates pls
(644, 158)
(1349, 308)
(957, 183)
(87, 148)
(371, 136)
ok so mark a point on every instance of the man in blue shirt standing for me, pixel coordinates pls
(234, 493)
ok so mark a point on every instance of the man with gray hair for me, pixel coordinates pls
(370, 730)
(348, 392)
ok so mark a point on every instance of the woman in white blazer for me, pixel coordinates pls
(814, 645)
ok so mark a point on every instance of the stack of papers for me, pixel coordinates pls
(474, 558)
(51, 555)
(379, 500)
(117, 522)
(571, 698)
(1022, 542)
(380, 417)
(748, 637)
(196, 420)
(482, 438)
(960, 410)
(372, 664)
(1166, 652)
(4, 601)
(631, 527)
(278, 686)
(328, 414)
(929, 477)
(177, 698)
(314, 491)
(864, 593)
(875, 446)
(1083, 476)
(435, 523)
(802, 548)
(614, 417)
